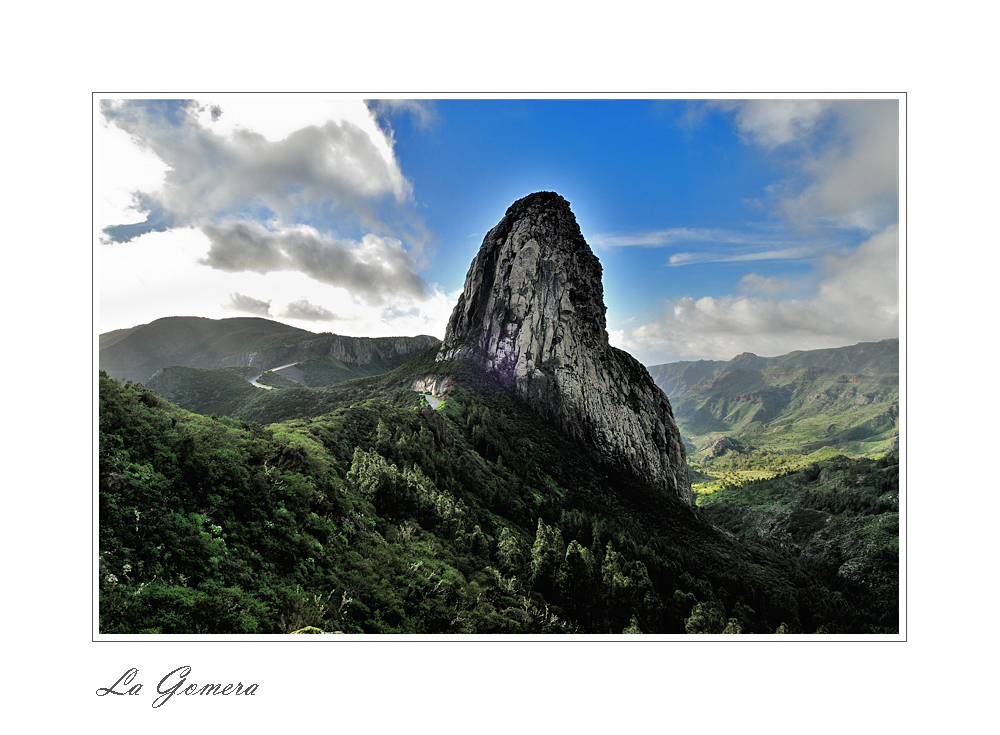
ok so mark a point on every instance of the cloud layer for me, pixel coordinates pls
(320, 169)
(836, 209)
(284, 204)
(856, 300)
(843, 157)
(375, 270)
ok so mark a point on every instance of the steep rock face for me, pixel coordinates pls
(532, 313)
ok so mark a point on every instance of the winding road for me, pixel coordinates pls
(253, 381)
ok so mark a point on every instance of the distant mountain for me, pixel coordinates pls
(864, 358)
(845, 397)
(195, 342)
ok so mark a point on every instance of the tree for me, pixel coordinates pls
(510, 554)
(707, 617)
(546, 557)
(577, 580)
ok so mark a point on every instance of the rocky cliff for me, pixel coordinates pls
(532, 313)
(366, 350)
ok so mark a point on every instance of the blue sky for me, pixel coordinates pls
(722, 226)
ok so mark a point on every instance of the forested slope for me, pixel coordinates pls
(386, 516)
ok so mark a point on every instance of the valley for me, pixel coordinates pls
(753, 417)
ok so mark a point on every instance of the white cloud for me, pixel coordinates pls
(742, 246)
(423, 112)
(125, 168)
(662, 238)
(282, 115)
(159, 276)
(333, 167)
(854, 178)
(843, 157)
(376, 268)
(857, 300)
(795, 253)
(278, 186)
(771, 123)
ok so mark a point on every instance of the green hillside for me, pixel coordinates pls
(192, 342)
(137, 354)
(220, 392)
(793, 410)
(864, 358)
(318, 372)
(840, 517)
(204, 391)
(795, 404)
(374, 513)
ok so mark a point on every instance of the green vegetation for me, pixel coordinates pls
(322, 371)
(795, 410)
(367, 511)
(846, 399)
(839, 517)
(356, 508)
(206, 391)
(272, 379)
(137, 353)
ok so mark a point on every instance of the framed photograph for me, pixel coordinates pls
(508, 368)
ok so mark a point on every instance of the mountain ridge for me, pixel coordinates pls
(846, 398)
(198, 342)
(863, 358)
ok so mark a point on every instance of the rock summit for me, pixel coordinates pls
(532, 314)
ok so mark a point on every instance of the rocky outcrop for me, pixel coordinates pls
(351, 351)
(366, 350)
(434, 384)
(532, 314)
(723, 445)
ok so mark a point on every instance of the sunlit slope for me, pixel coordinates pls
(790, 403)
